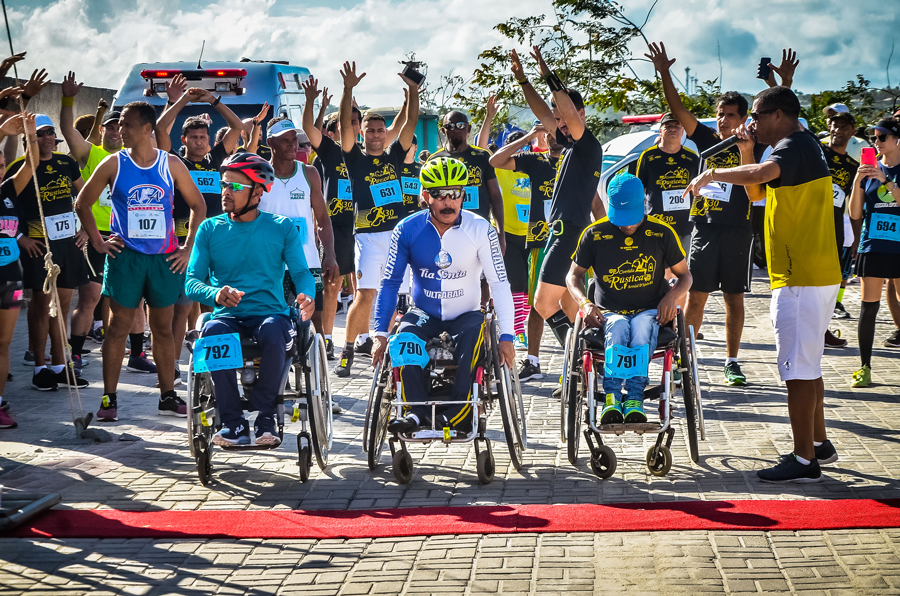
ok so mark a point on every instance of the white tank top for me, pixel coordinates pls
(290, 197)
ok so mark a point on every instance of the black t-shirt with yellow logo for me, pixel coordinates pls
(630, 270)
(56, 178)
(335, 182)
(843, 170)
(541, 170)
(665, 176)
(577, 177)
(377, 191)
(478, 198)
(411, 185)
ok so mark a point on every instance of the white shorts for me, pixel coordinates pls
(371, 258)
(800, 315)
(848, 232)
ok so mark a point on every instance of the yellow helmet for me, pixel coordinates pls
(443, 172)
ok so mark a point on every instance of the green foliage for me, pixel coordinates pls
(857, 95)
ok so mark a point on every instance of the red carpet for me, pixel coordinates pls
(383, 523)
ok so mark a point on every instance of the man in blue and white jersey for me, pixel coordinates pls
(447, 249)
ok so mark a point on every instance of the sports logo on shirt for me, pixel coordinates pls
(443, 259)
(632, 275)
(145, 195)
(297, 195)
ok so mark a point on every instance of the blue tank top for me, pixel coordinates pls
(142, 202)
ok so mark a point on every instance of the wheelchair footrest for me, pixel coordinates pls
(250, 447)
(639, 428)
(433, 435)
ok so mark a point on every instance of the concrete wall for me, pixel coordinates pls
(49, 100)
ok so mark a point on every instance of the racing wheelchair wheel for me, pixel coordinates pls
(402, 466)
(698, 392)
(203, 458)
(304, 461)
(201, 408)
(378, 413)
(604, 461)
(663, 460)
(486, 466)
(573, 398)
(688, 388)
(318, 394)
(511, 405)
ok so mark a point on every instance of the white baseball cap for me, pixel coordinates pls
(838, 108)
(280, 127)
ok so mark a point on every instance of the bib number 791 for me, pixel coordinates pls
(625, 363)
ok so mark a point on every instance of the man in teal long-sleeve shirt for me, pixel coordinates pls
(243, 254)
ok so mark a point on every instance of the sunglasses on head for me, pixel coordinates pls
(755, 115)
(456, 125)
(880, 138)
(445, 195)
(234, 186)
(47, 132)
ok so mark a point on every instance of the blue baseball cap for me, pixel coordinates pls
(43, 121)
(626, 200)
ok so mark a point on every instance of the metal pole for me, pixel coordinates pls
(9, 37)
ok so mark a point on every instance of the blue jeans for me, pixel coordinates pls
(631, 331)
(275, 335)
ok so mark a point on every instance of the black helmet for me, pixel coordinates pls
(252, 166)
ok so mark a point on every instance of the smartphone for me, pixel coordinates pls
(868, 157)
(413, 75)
(764, 68)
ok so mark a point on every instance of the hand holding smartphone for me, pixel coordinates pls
(764, 69)
(868, 157)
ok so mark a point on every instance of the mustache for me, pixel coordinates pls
(447, 211)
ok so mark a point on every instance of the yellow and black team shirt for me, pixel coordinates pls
(801, 248)
(410, 185)
(732, 205)
(665, 176)
(541, 170)
(630, 270)
(478, 198)
(329, 163)
(843, 170)
(377, 192)
(56, 179)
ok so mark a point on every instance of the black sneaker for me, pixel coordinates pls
(28, 358)
(45, 380)
(530, 371)
(839, 312)
(4, 405)
(404, 425)
(70, 379)
(173, 406)
(343, 369)
(893, 340)
(364, 348)
(789, 469)
(265, 432)
(826, 453)
(329, 349)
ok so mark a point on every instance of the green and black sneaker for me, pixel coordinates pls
(612, 410)
(346, 361)
(634, 411)
(733, 375)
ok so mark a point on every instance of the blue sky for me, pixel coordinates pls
(101, 39)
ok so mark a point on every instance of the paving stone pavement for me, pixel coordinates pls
(746, 429)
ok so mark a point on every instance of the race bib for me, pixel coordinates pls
(626, 363)
(471, 200)
(522, 212)
(60, 226)
(717, 191)
(407, 349)
(386, 193)
(344, 193)
(207, 182)
(885, 227)
(146, 223)
(300, 224)
(218, 352)
(673, 201)
(410, 186)
(839, 195)
(105, 200)
(9, 251)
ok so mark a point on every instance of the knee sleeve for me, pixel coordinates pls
(560, 325)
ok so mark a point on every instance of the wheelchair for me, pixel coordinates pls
(493, 384)
(582, 397)
(311, 392)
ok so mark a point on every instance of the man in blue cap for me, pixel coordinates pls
(629, 252)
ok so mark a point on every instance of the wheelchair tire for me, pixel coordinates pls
(192, 389)
(510, 398)
(378, 413)
(304, 460)
(687, 389)
(698, 391)
(318, 394)
(403, 466)
(604, 462)
(201, 392)
(563, 402)
(663, 461)
(575, 413)
(203, 459)
(485, 466)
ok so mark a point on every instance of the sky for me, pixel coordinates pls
(101, 39)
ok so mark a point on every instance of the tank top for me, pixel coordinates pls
(142, 202)
(290, 197)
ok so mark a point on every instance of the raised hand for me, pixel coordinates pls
(491, 108)
(176, 87)
(199, 95)
(262, 113)
(70, 87)
(658, 57)
(543, 69)
(8, 62)
(326, 99)
(787, 67)
(348, 73)
(14, 125)
(515, 65)
(310, 88)
(37, 82)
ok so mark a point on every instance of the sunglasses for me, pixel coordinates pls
(880, 138)
(46, 133)
(456, 125)
(234, 186)
(304, 146)
(755, 115)
(445, 195)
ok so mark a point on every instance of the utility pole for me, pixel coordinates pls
(687, 79)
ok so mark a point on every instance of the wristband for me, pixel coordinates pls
(19, 235)
(522, 81)
(712, 174)
(584, 303)
(215, 103)
(26, 97)
(554, 83)
(68, 101)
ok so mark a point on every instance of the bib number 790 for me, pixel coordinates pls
(407, 349)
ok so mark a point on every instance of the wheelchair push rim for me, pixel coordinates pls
(318, 399)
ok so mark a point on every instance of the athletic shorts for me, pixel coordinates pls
(516, 262)
(720, 258)
(344, 249)
(878, 264)
(558, 258)
(11, 295)
(800, 315)
(371, 258)
(183, 299)
(686, 245)
(134, 275)
(73, 269)
(290, 291)
(846, 262)
(535, 261)
(97, 261)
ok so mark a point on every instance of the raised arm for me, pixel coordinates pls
(310, 127)
(563, 102)
(786, 70)
(255, 131)
(351, 80)
(23, 176)
(662, 63)
(94, 137)
(78, 145)
(326, 101)
(537, 104)
(484, 134)
(393, 131)
(505, 159)
(174, 90)
(408, 130)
